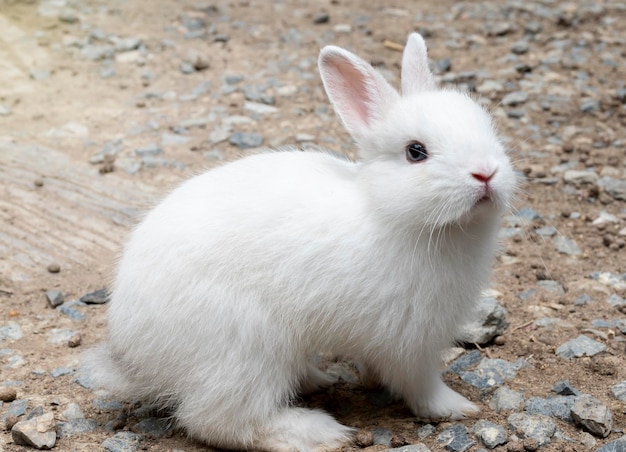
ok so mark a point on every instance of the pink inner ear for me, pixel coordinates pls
(350, 93)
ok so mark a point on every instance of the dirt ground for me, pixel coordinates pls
(60, 107)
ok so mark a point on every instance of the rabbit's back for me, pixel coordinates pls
(262, 233)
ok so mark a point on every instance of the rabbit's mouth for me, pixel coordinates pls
(485, 198)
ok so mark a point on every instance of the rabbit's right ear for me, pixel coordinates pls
(416, 75)
(360, 94)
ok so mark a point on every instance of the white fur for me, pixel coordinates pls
(241, 273)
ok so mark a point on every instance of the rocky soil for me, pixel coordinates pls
(106, 104)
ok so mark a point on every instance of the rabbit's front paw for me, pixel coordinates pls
(444, 403)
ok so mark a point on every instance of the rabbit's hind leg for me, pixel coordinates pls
(288, 429)
(302, 430)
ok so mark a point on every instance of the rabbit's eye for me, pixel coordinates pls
(416, 152)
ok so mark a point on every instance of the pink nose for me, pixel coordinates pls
(483, 176)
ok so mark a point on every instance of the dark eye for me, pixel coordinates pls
(416, 152)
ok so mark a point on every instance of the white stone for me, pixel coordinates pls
(577, 177)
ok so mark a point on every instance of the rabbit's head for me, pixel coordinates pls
(430, 156)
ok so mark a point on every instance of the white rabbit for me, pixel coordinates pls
(243, 272)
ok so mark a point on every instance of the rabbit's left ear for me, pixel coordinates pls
(416, 75)
(360, 94)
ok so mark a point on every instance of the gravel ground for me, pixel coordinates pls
(105, 105)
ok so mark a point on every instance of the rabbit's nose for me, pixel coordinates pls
(483, 176)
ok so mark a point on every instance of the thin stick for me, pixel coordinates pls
(523, 325)
(393, 45)
(484, 350)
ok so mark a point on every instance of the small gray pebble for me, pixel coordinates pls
(100, 296)
(456, 438)
(546, 231)
(546, 322)
(213, 154)
(526, 294)
(592, 415)
(16, 408)
(197, 122)
(127, 44)
(425, 431)
(68, 17)
(578, 177)
(559, 406)
(11, 332)
(98, 52)
(499, 28)
(615, 300)
(588, 440)
(590, 105)
(245, 140)
(509, 233)
(73, 411)
(187, 68)
(40, 75)
(615, 281)
(554, 287)
(564, 388)
(382, 436)
(410, 448)
(321, 18)
(150, 150)
(464, 362)
(583, 300)
(506, 369)
(105, 402)
(60, 335)
(506, 399)
(515, 98)
(69, 310)
(488, 321)
(537, 426)
(55, 298)
(619, 391)
(581, 346)
(483, 378)
(233, 79)
(259, 108)
(4, 110)
(84, 381)
(533, 27)
(60, 371)
(122, 442)
(490, 434)
(171, 139)
(527, 215)
(619, 445)
(35, 412)
(565, 245)
(520, 47)
(516, 114)
(153, 427)
(614, 187)
(442, 65)
(75, 427)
